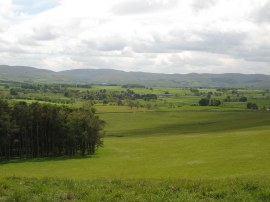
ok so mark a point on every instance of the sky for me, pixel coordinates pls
(161, 36)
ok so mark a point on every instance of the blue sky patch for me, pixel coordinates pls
(34, 6)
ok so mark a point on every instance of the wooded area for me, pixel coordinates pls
(43, 130)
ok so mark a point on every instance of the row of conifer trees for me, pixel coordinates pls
(42, 130)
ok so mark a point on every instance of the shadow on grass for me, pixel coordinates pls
(44, 159)
(200, 127)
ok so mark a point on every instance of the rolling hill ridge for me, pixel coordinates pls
(110, 76)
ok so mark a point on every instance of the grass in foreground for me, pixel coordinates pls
(50, 189)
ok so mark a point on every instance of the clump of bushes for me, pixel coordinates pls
(252, 105)
(209, 102)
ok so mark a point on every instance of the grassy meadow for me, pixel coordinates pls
(167, 145)
(179, 153)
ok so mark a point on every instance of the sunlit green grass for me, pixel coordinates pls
(172, 151)
(51, 189)
(167, 145)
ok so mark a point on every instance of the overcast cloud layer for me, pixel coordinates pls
(168, 36)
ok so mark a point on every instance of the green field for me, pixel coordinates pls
(167, 145)
(51, 189)
(177, 153)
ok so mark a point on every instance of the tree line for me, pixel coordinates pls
(112, 96)
(43, 130)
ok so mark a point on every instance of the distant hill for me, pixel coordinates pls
(100, 76)
(29, 74)
(110, 76)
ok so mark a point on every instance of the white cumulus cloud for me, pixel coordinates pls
(168, 36)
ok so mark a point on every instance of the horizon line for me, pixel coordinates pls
(132, 71)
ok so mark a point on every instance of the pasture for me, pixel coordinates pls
(157, 145)
(182, 153)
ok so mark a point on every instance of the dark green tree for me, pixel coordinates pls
(252, 105)
(41, 130)
(242, 99)
(204, 102)
(215, 102)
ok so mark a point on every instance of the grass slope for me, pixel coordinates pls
(156, 156)
(192, 145)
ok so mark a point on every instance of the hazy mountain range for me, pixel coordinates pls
(110, 76)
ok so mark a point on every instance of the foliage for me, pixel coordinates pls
(228, 99)
(133, 86)
(13, 91)
(204, 102)
(252, 105)
(242, 99)
(215, 102)
(36, 130)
